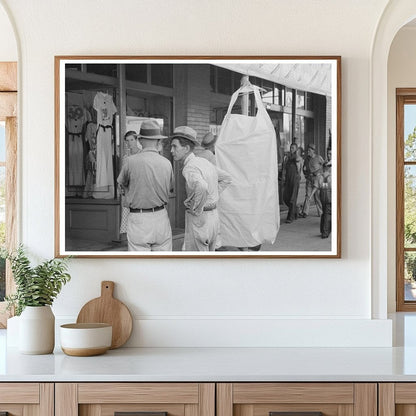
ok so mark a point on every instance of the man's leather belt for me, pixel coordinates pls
(210, 207)
(147, 209)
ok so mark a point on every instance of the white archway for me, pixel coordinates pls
(395, 16)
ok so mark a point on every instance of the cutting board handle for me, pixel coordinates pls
(107, 289)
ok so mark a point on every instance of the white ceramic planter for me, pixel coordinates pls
(37, 330)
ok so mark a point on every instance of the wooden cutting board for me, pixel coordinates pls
(108, 310)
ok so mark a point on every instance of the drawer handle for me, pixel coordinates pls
(295, 413)
(139, 414)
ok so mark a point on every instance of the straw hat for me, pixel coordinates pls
(186, 133)
(150, 129)
(209, 140)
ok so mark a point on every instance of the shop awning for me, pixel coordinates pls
(312, 77)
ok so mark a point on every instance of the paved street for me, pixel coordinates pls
(301, 235)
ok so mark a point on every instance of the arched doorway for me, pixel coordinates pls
(397, 14)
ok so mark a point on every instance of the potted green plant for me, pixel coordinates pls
(36, 289)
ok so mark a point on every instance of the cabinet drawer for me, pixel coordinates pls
(107, 399)
(270, 399)
(397, 399)
(138, 393)
(21, 399)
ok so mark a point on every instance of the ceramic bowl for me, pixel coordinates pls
(83, 340)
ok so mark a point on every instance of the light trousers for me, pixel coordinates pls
(149, 231)
(311, 192)
(201, 231)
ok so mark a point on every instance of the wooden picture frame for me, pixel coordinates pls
(294, 100)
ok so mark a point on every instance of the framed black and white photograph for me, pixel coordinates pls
(198, 156)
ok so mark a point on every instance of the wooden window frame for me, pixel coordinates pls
(8, 113)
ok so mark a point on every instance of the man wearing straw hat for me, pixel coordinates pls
(204, 183)
(146, 180)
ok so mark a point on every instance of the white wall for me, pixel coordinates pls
(212, 302)
(8, 46)
(401, 74)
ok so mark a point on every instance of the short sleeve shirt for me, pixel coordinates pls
(148, 179)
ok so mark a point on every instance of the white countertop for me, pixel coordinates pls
(221, 364)
(215, 364)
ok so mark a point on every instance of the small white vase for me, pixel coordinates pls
(37, 330)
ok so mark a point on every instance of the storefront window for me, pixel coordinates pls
(278, 95)
(73, 67)
(162, 75)
(300, 99)
(300, 128)
(96, 149)
(308, 101)
(136, 72)
(286, 137)
(289, 97)
(109, 70)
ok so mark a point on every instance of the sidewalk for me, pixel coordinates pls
(302, 234)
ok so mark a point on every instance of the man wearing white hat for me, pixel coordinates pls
(147, 179)
(204, 183)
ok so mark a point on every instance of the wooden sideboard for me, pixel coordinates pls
(208, 399)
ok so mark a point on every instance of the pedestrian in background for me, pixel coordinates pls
(292, 168)
(201, 151)
(325, 193)
(311, 169)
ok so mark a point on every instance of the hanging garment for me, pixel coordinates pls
(91, 190)
(90, 159)
(103, 104)
(76, 117)
(246, 149)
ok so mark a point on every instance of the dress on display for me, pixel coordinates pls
(104, 184)
(91, 159)
(75, 120)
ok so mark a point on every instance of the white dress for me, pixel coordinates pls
(76, 117)
(104, 183)
(106, 109)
